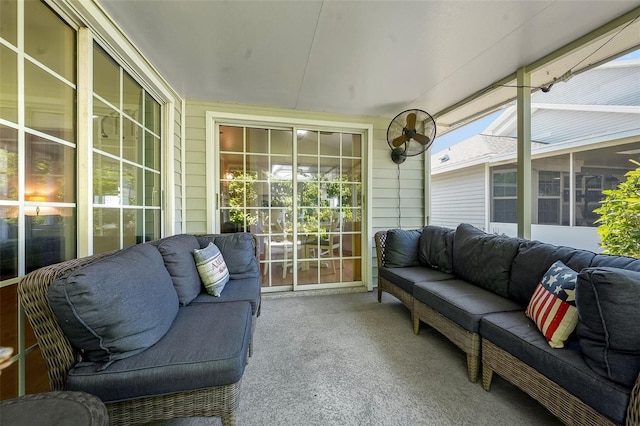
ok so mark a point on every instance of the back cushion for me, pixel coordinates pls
(484, 259)
(238, 251)
(117, 306)
(435, 248)
(534, 259)
(622, 262)
(177, 253)
(401, 248)
(608, 317)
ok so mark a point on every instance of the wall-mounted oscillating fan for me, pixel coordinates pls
(410, 133)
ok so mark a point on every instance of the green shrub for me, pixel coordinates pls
(620, 217)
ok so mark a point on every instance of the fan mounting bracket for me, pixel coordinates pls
(398, 155)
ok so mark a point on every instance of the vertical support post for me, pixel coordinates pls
(427, 187)
(84, 148)
(524, 153)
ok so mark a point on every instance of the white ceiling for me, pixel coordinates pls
(372, 58)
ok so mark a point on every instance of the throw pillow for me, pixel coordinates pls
(401, 248)
(608, 332)
(553, 306)
(212, 269)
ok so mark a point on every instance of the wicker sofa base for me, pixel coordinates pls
(406, 298)
(467, 341)
(556, 399)
(219, 401)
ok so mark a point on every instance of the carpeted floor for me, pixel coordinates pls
(345, 359)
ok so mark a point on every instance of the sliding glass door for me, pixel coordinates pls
(300, 192)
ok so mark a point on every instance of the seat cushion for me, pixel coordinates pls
(177, 253)
(534, 259)
(436, 248)
(608, 332)
(401, 248)
(484, 259)
(116, 306)
(518, 335)
(247, 290)
(405, 278)
(190, 356)
(461, 302)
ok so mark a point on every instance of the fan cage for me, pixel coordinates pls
(425, 125)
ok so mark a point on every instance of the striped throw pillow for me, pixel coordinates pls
(553, 305)
(212, 269)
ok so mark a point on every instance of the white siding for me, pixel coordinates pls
(459, 197)
(195, 169)
(580, 237)
(177, 169)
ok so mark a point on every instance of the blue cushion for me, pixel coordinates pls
(622, 262)
(117, 306)
(401, 248)
(461, 302)
(247, 289)
(206, 346)
(177, 253)
(239, 252)
(405, 278)
(532, 262)
(436, 248)
(484, 259)
(608, 332)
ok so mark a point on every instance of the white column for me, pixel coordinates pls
(524, 153)
(84, 147)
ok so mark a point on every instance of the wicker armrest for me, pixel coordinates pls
(33, 290)
(380, 239)
(633, 409)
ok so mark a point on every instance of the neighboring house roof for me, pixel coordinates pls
(600, 105)
(478, 149)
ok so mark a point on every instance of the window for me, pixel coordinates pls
(594, 171)
(42, 143)
(38, 131)
(598, 170)
(38, 166)
(504, 195)
(300, 192)
(126, 158)
(549, 198)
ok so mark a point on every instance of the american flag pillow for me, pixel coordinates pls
(553, 305)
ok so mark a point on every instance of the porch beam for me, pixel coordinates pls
(524, 153)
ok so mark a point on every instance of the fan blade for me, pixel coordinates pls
(424, 140)
(411, 121)
(399, 140)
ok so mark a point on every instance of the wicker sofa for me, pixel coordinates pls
(136, 327)
(475, 289)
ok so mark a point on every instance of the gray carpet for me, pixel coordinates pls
(345, 359)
